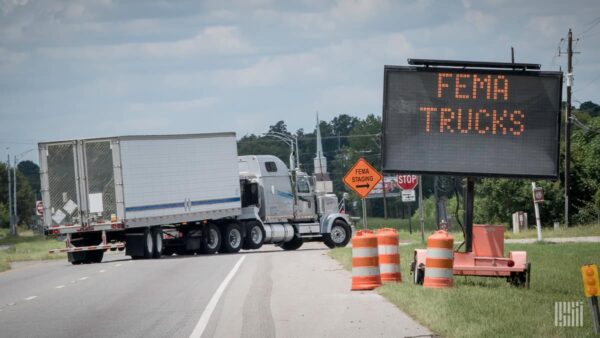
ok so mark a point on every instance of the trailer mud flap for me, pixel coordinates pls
(134, 244)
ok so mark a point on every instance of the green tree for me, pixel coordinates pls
(25, 196)
(31, 171)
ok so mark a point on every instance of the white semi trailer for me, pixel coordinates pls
(184, 194)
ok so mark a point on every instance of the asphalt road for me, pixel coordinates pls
(267, 293)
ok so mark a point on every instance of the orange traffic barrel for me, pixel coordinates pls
(439, 261)
(365, 263)
(389, 255)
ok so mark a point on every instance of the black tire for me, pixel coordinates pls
(232, 238)
(211, 241)
(255, 236)
(339, 236)
(157, 240)
(521, 279)
(418, 273)
(294, 244)
(148, 243)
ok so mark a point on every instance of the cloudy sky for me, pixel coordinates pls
(73, 69)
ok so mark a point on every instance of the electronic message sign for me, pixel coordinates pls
(472, 122)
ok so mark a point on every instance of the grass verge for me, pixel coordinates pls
(490, 307)
(401, 225)
(26, 247)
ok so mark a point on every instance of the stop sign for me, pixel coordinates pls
(407, 182)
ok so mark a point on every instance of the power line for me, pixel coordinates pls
(591, 25)
(587, 84)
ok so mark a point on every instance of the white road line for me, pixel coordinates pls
(59, 286)
(119, 264)
(102, 270)
(212, 304)
(31, 297)
(83, 278)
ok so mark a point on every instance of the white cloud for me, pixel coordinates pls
(214, 40)
(348, 98)
(172, 107)
(324, 63)
(357, 10)
(9, 60)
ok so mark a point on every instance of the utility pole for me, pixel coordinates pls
(10, 198)
(568, 126)
(15, 191)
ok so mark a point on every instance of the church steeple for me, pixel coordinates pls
(320, 161)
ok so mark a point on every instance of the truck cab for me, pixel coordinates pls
(284, 198)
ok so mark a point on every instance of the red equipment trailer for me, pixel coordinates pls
(485, 260)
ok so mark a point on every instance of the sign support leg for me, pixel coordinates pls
(469, 199)
(593, 301)
(409, 220)
(538, 222)
(364, 212)
(421, 208)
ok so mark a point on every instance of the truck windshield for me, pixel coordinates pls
(303, 186)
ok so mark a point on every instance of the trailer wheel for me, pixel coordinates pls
(339, 236)
(232, 238)
(211, 241)
(521, 279)
(294, 244)
(418, 273)
(255, 236)
(148, 243)
(158, 242)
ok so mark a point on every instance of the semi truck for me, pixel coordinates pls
(179, 194)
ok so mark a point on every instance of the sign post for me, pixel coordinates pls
(362, 178)
(408, 184)
(591, 290)
(422, 213)
(538, 197)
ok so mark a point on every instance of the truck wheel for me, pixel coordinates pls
(339, 236)
(232, 238)
(211, 241)
(148, 243)
(158, 242)
(255, 236)
(294, 244)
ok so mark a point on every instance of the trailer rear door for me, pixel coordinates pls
(60, 189)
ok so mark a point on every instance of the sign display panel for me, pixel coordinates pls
(472, 122)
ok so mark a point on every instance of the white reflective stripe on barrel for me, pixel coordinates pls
(364, 252)
(388, 249)
(389, 268)
(440, 253)
(365, 271)
(438, 273)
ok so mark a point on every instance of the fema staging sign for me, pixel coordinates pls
(362, 178)
(477, 122)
